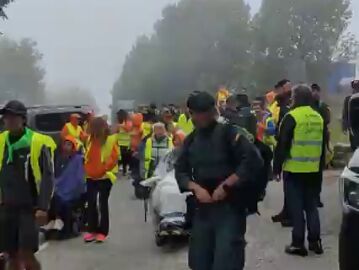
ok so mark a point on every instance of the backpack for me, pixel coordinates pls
(251, 193)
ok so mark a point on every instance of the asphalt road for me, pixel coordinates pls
(131, 243)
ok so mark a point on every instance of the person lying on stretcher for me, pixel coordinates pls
(168, 204)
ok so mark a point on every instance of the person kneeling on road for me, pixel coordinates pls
(70, 187)
(215, 163)
(26, 184)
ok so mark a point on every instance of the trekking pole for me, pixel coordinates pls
(145, 205)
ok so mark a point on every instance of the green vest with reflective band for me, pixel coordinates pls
(155, 151)
(307, 144)
(37, 142)
(124, 138)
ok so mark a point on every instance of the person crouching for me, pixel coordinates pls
(70, 186)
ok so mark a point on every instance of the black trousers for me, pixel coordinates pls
(98, 215)
(217, 238)
(126, 156)
(18, 230)
(319, 185)
(285, 211)
(62, 210)
(302, 192)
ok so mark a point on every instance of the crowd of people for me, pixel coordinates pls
(223, 151)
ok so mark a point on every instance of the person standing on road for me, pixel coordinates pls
(26, 187)
(265, 125)
(167, 119)
(101, 168)
(298, 154)
(283, 101)
(74, 130)
(124, 130)
(214, 164)
(354, 142)
(324, 111)
(276, 106)
(86, 124)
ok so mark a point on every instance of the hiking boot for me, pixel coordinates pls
(316, 247)
(89, 237)
(100, 238)
(296, 251)
(286, 223)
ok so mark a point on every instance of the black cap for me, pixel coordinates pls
(14, 107)
(316, 87)
(201, 102)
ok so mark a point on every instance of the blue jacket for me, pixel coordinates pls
(70, 178)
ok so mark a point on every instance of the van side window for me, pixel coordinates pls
(52, 122)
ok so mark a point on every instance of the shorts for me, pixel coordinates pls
(18, 230)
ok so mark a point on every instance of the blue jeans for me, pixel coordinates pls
(302, 194)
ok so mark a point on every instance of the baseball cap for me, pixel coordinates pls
(201, 102)
(14, 107)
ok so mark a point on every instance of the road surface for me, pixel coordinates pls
(131, 244)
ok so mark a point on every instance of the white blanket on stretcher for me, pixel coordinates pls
(166, 197)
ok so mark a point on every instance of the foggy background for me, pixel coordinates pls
(84, 43)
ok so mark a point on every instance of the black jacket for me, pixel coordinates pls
(210, 156)
(17, 182)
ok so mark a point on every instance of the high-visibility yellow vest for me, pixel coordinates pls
(146, 128)
(37, 142)
(274, 109)
(74, 132)
(106, 152)
(154, 151)
(124, 138)
(186, 125)
(269, 139)
(307, 144)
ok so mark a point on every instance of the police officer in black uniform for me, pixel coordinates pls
(216, 164)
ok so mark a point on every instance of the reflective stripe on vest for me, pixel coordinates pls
(306, 150)
(106, 152)
(37, 142)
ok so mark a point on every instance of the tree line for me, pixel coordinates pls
(201, 45)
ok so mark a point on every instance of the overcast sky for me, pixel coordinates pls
(84, 43)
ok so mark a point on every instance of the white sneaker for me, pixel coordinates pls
(49, 226)
(59, 225)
